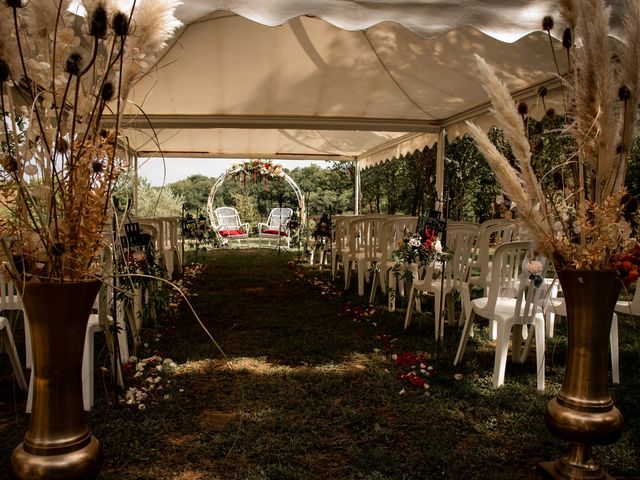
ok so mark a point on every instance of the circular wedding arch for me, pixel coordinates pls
(242, 168)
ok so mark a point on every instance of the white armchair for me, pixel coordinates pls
(277, 225)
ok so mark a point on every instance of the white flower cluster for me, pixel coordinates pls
(153, 369)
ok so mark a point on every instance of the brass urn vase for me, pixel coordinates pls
(583, 413)
(58, 444)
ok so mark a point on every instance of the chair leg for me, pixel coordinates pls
(437, 309)
(407, 318)
(347, 274)
(383, 280)
(334, 265)
(465, 300)
(540, 349)
(502, 351)
(451, 311)
(494, 329)
(549, 323)
(6, 338)
(361, 274)
(374, 287)
(28, 354)
(392, 292)
(613, 340)
(466, 332)
(87, 362)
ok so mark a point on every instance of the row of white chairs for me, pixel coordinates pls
(491, 256)
(360, 241)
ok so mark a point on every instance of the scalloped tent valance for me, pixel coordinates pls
(336, 79)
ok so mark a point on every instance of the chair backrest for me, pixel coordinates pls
(9, 298)
(634, 306)
(363, 235)
(339, 232)
(393, 230)
(279, 218)
(530, 296)
(492, 234)
(461, 240)
(154, 228)
(508, 271)
(227, 218)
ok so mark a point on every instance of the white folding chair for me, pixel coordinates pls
(392, 230)
(461, 239)
(363, 234)
(513, 299)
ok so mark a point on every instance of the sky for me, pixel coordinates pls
(158, 171)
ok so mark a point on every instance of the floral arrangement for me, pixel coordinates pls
(416, 249)
(573, 208)
(257, 170)
(628, 266)
(535, 267)
(61, 73)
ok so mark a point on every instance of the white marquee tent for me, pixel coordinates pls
(351, 80)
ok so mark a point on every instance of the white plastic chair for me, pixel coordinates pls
(630, 307)
(461, 239)
(229, 225)
(513, 299)
(277, 225)
(492, 233)
(170, 245)
(392, 230)
(10, 301)
(363, 235)
(339, 242)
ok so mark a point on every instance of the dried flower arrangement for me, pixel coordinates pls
(575, 211)
(59, 73)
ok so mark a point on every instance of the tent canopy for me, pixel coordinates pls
(336, 79)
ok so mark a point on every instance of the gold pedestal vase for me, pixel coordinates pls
(583, 413)
(58, 444)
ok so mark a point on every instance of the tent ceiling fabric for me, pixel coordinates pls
(353, 80)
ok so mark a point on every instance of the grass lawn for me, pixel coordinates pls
(308, 389)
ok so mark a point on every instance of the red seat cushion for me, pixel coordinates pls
(273, 231)
(230, 233)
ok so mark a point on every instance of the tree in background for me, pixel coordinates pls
(326, 188)
(403, 185)
(157, 201)
(469, 182)
(152, 201)
(247, 207)
(194, 190)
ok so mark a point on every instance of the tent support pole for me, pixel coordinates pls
(442, 135)
(135, 185)
(356, 203)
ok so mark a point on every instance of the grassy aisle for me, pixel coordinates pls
(310, 390)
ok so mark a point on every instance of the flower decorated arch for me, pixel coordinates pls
(256, 171)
